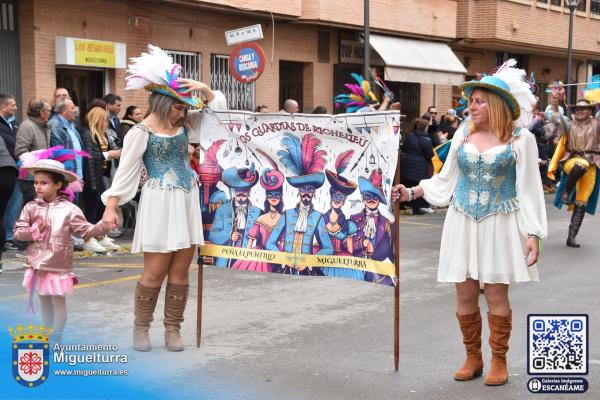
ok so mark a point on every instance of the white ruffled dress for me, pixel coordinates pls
(492, 249)
(168, 217)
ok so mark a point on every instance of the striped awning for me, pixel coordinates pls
(411, 60)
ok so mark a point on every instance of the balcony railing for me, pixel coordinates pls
(580, 7)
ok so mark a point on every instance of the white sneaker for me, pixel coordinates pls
(115, 233)
(93, 245)
(108, 243)
(427, 210)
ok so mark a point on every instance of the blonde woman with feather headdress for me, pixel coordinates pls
(497, 212)
(169, 225)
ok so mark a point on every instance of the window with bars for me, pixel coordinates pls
(581, 5)
(556, 2)
(595, 7)
(521, 59)
(190, 62)
(7, 17)
(240, 96)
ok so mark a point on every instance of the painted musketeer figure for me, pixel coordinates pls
(233, 220)
(302, 224)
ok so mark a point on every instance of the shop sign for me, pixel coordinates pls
(247, 62)
(90, 53)
(351, 52)
(95, 53)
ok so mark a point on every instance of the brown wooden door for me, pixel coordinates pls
(291, 82)
(409, 96)
(83, 85)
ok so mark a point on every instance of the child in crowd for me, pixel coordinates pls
(47, 223)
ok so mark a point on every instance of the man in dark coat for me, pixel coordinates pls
(8, 131)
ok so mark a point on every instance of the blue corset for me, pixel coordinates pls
(166, 159)
(486, 183)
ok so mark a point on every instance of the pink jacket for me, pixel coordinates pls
(54, 250)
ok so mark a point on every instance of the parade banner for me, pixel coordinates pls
(300, 194)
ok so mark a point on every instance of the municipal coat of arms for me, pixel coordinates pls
(30, 354)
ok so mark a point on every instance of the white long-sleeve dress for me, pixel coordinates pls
(168, 215)
(491, 249)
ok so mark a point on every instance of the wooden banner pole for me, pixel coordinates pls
(397, 268)
(199, 306)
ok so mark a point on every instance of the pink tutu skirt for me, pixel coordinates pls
(50, 283)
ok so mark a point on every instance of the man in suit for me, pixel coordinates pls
(233, 220)
(374, 235)
(302, 224)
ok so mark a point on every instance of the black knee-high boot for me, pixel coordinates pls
(576, 220)
(576, 173)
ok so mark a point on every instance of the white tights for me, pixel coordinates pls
(54, 313)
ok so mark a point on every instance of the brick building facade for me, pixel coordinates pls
(301, 42)
(533, 31)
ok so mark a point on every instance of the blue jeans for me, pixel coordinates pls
(13, 210)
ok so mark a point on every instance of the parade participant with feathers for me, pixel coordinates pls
(497, 212)
(169, 225)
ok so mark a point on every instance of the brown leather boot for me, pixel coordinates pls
(470, 326)
(144, 305)
(500, 328)
(175, 301)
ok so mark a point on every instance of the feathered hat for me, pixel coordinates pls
(156, 72)
(242, 178)
(593, 95)
(305, 160)
(56, 159)
(462, 104)
(373, 185)
(50, 165)
(557, 88)
(533, 85)
(511, 85)
(270, 178)
(359, 96)
(337, 181)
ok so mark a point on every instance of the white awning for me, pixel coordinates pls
(411, 60)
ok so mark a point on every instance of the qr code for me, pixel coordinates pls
(557, 344)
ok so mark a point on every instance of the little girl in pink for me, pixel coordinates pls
(47, 223)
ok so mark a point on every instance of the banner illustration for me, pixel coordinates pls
(300, 194)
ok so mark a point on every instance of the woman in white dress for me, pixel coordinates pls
(496, 218)
(169, 225)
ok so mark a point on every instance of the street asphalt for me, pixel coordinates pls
(267, 336)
